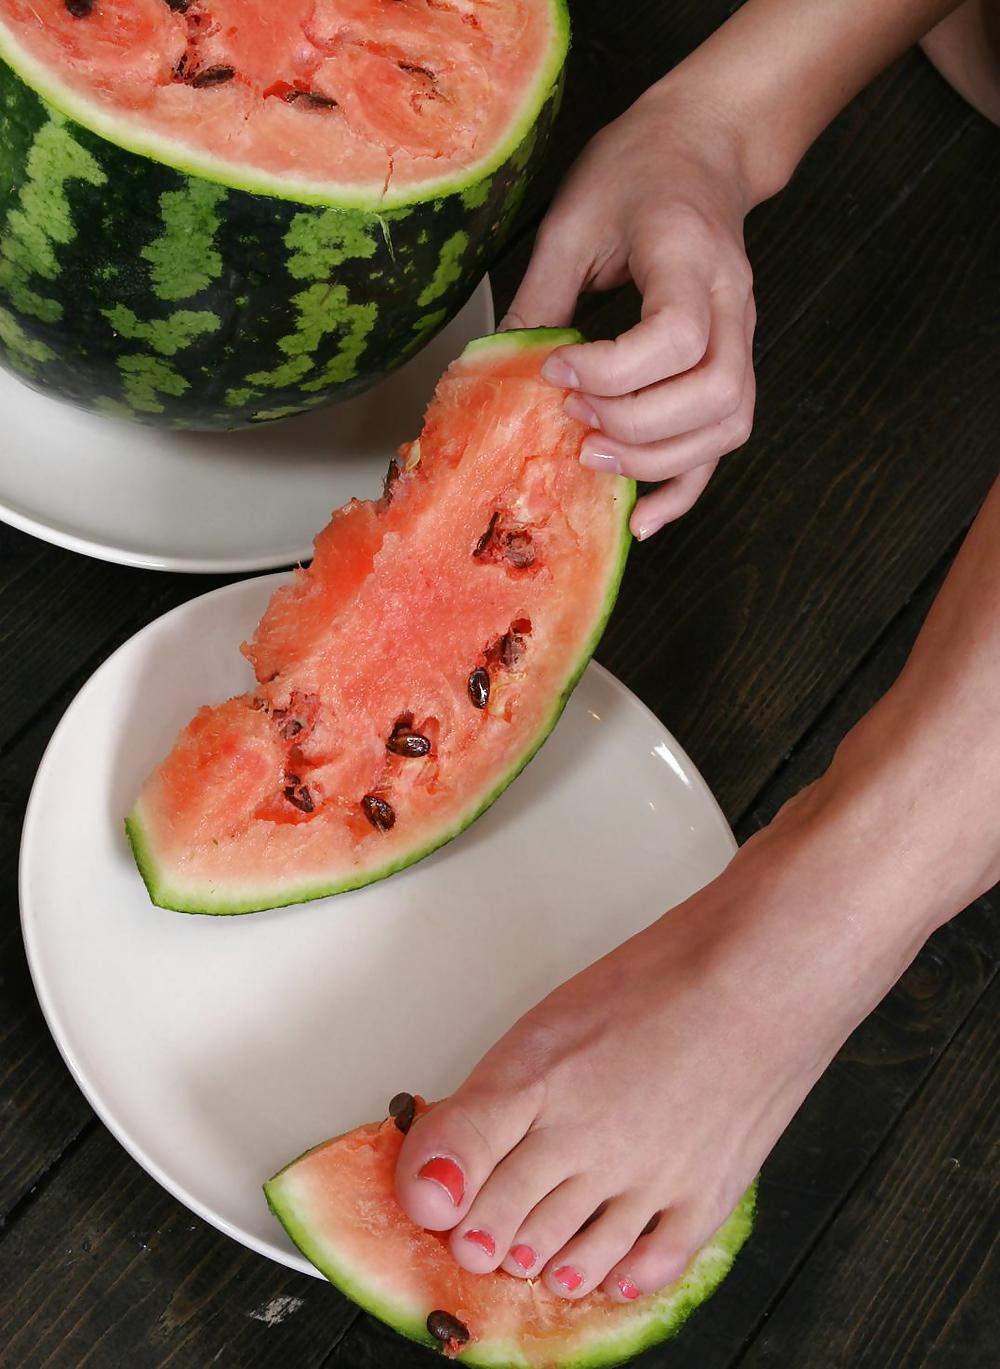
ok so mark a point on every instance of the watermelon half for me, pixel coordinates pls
(218, 212)
(410, 673)
(337, 1203)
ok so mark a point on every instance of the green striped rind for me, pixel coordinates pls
(640, 1325)
(148, 291)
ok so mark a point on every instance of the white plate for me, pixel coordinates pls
(210, 502)
(217, 1049)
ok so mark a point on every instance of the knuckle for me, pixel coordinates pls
(738, 430)
(729, 392)
(689, 340)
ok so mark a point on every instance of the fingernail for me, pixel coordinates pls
(600, 461)
(509, 321)
(559, 372)
(579, 409)
(447, 1175)
(569, 1277)
(484, 1239)
(627, 1289)
(523, 1255)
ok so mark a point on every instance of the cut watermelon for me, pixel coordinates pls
(337, 1203)
(409, 674)
(215, 212)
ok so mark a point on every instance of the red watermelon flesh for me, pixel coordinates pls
(341, 92)
(407, 676)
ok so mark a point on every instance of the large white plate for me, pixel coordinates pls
(217, 1049)
(210, 502)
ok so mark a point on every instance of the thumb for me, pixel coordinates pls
(551, 285)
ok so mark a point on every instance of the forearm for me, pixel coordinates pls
(778, 71)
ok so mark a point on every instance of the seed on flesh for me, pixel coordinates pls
(379, 813)
(487, 537)
(79, 9)
(298, 795)
(518, 550)
(409, 744)
(447, 1329)
(389, 483)
(178, 6)
(511, 649)
(402, 1110)
(311, 99)
(291, 727)
(414, 70)
(212, 76)
(479, 687)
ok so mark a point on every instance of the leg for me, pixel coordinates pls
(652, 1086)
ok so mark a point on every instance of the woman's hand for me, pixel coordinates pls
(657, 197)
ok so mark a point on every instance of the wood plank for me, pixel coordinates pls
(907, 1273)
(108, 1270)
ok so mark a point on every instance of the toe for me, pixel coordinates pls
(552, 1223)
(659, 1258)
(451, 1151)
(528, 1174)
(584, 1261)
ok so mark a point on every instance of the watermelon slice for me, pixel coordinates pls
(217, 212)
(337, 1203)
(410, 673)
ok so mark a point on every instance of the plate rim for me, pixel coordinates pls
(99, 550)
(60, 1032)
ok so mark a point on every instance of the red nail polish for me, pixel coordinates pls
(523, 1255)
(627, 1288)
(484, 1239)
(569, 1277)
(447, 1175)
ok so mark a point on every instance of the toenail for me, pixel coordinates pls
(523, 1255)
(569, 1277)
(627, 1289)
(484, 1239)
(447, 1175)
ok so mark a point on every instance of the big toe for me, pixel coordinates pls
(453, 1149)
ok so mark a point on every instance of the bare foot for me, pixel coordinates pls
(649, 1089)
(965, 48)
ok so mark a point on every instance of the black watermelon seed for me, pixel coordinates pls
(291, 727)
(402, 1110)
(298, 795)
(314, 101)
(479, 687)
(379, 813)
(414, 70)
(409, 744)
(518, 550)
(178, 6)
(447, 1329)
(487, 537)
(80, 9)
(212, 76)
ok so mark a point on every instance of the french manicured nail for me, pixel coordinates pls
(569, 1277)
(523, 1255)
(627, 1289)
(483, 1239)
(559, 372)
(447, 1175)
(579, 409)
(600, 461)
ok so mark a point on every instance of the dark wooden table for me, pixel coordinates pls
(759, 628)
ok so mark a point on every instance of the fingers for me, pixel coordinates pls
(556, 274)
(671, 501)
(711, 390)
(671, 338)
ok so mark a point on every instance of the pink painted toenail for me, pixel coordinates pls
(484, 1239)
(627, 1289)
(447, 1175)
(569, 1277)
(523, 1255)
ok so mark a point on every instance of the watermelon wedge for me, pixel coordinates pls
(221, 212)
(337, 1203)
(409, 674)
